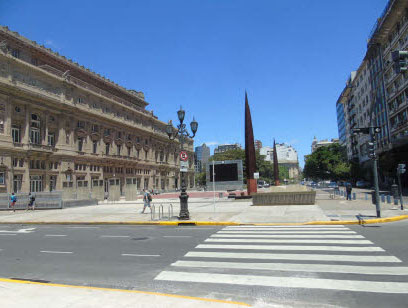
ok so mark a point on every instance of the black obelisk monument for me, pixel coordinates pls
(250, 160)
(275, 165)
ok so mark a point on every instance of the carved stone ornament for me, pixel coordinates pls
(95, 136)
(138, 146)
(146, 147)
(129, 143)
(81, 133)
(118, 141)
(107, 139)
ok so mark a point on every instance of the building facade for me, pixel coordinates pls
(63, 127)
(287, 157)
(382, 94)
(202, 154)
(226, 147)
(322, 143)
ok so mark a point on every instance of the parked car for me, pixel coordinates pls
(363, 184)
(266, 185)
(313, 184)
(333, 185)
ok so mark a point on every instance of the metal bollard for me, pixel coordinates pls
(382, 198)
(388, 199)
(366, 196)
(354, 196)
(396, 201)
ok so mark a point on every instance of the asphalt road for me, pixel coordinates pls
(315, 266)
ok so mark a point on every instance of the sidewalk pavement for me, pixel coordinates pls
(38, 295)
(205, 210)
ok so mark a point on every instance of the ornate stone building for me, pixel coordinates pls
(64, 127)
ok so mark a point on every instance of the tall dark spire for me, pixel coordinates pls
(250, 160)
(275, 165)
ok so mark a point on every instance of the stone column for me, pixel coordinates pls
(26, 137)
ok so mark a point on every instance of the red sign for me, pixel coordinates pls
(183, 156)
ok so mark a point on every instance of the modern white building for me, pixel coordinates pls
(287, 156)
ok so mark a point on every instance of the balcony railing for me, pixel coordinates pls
(92, 88)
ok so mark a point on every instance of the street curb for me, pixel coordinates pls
(22, 281)
(361, 221)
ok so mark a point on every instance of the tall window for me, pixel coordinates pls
(107, 147)
(128, 150)
(35, 135)
(119, 148)
(51, 139)
(36, 184)
(145, 154)
(17, 181)
(53, 182)
(81, 124)
(15, 133)
(94, 147)
(80, 144)
(15, 53)
(2, 178)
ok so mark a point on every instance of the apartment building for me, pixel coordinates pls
(66, 128)
(381, 93)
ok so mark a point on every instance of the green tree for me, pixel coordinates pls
(200, 178)
(328, 163)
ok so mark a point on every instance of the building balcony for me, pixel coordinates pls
(33, 147)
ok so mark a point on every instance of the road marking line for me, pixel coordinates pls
(285, 232)
(8, 233)
(320, 268)
(286, 241)
(288, 282)
(55, 235)
(286, 236)
(50, 251)
(123, 236)
(136, 255)
(123, 291)
(281, 229)
(291, 247)
(177, 236)
(278, 256)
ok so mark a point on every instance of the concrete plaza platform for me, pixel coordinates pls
(208, 209)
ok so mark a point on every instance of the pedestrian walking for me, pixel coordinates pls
(31, 202)
(147, 198)
(348, 191)
(13, 200)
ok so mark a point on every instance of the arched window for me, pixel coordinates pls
(35, 125)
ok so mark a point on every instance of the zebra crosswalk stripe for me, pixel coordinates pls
(290, 247)
(285, 232)
(282, 256)
(320, 268)
(289, 282)
(287, 241)
(287, 235)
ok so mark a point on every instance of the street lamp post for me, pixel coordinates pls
(182, 134)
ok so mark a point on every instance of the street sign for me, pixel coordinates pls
(183, 156)
(183, 166)
(256, 175)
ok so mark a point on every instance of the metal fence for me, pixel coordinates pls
(44, 200)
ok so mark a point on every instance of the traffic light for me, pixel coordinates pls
(401, 169)
(400, 59)
(371, 150)
(361, 130)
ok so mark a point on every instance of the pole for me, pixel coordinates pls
(375, 172)
(214, 182)
(400, 190)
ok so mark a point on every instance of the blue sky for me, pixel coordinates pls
(292, 57)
